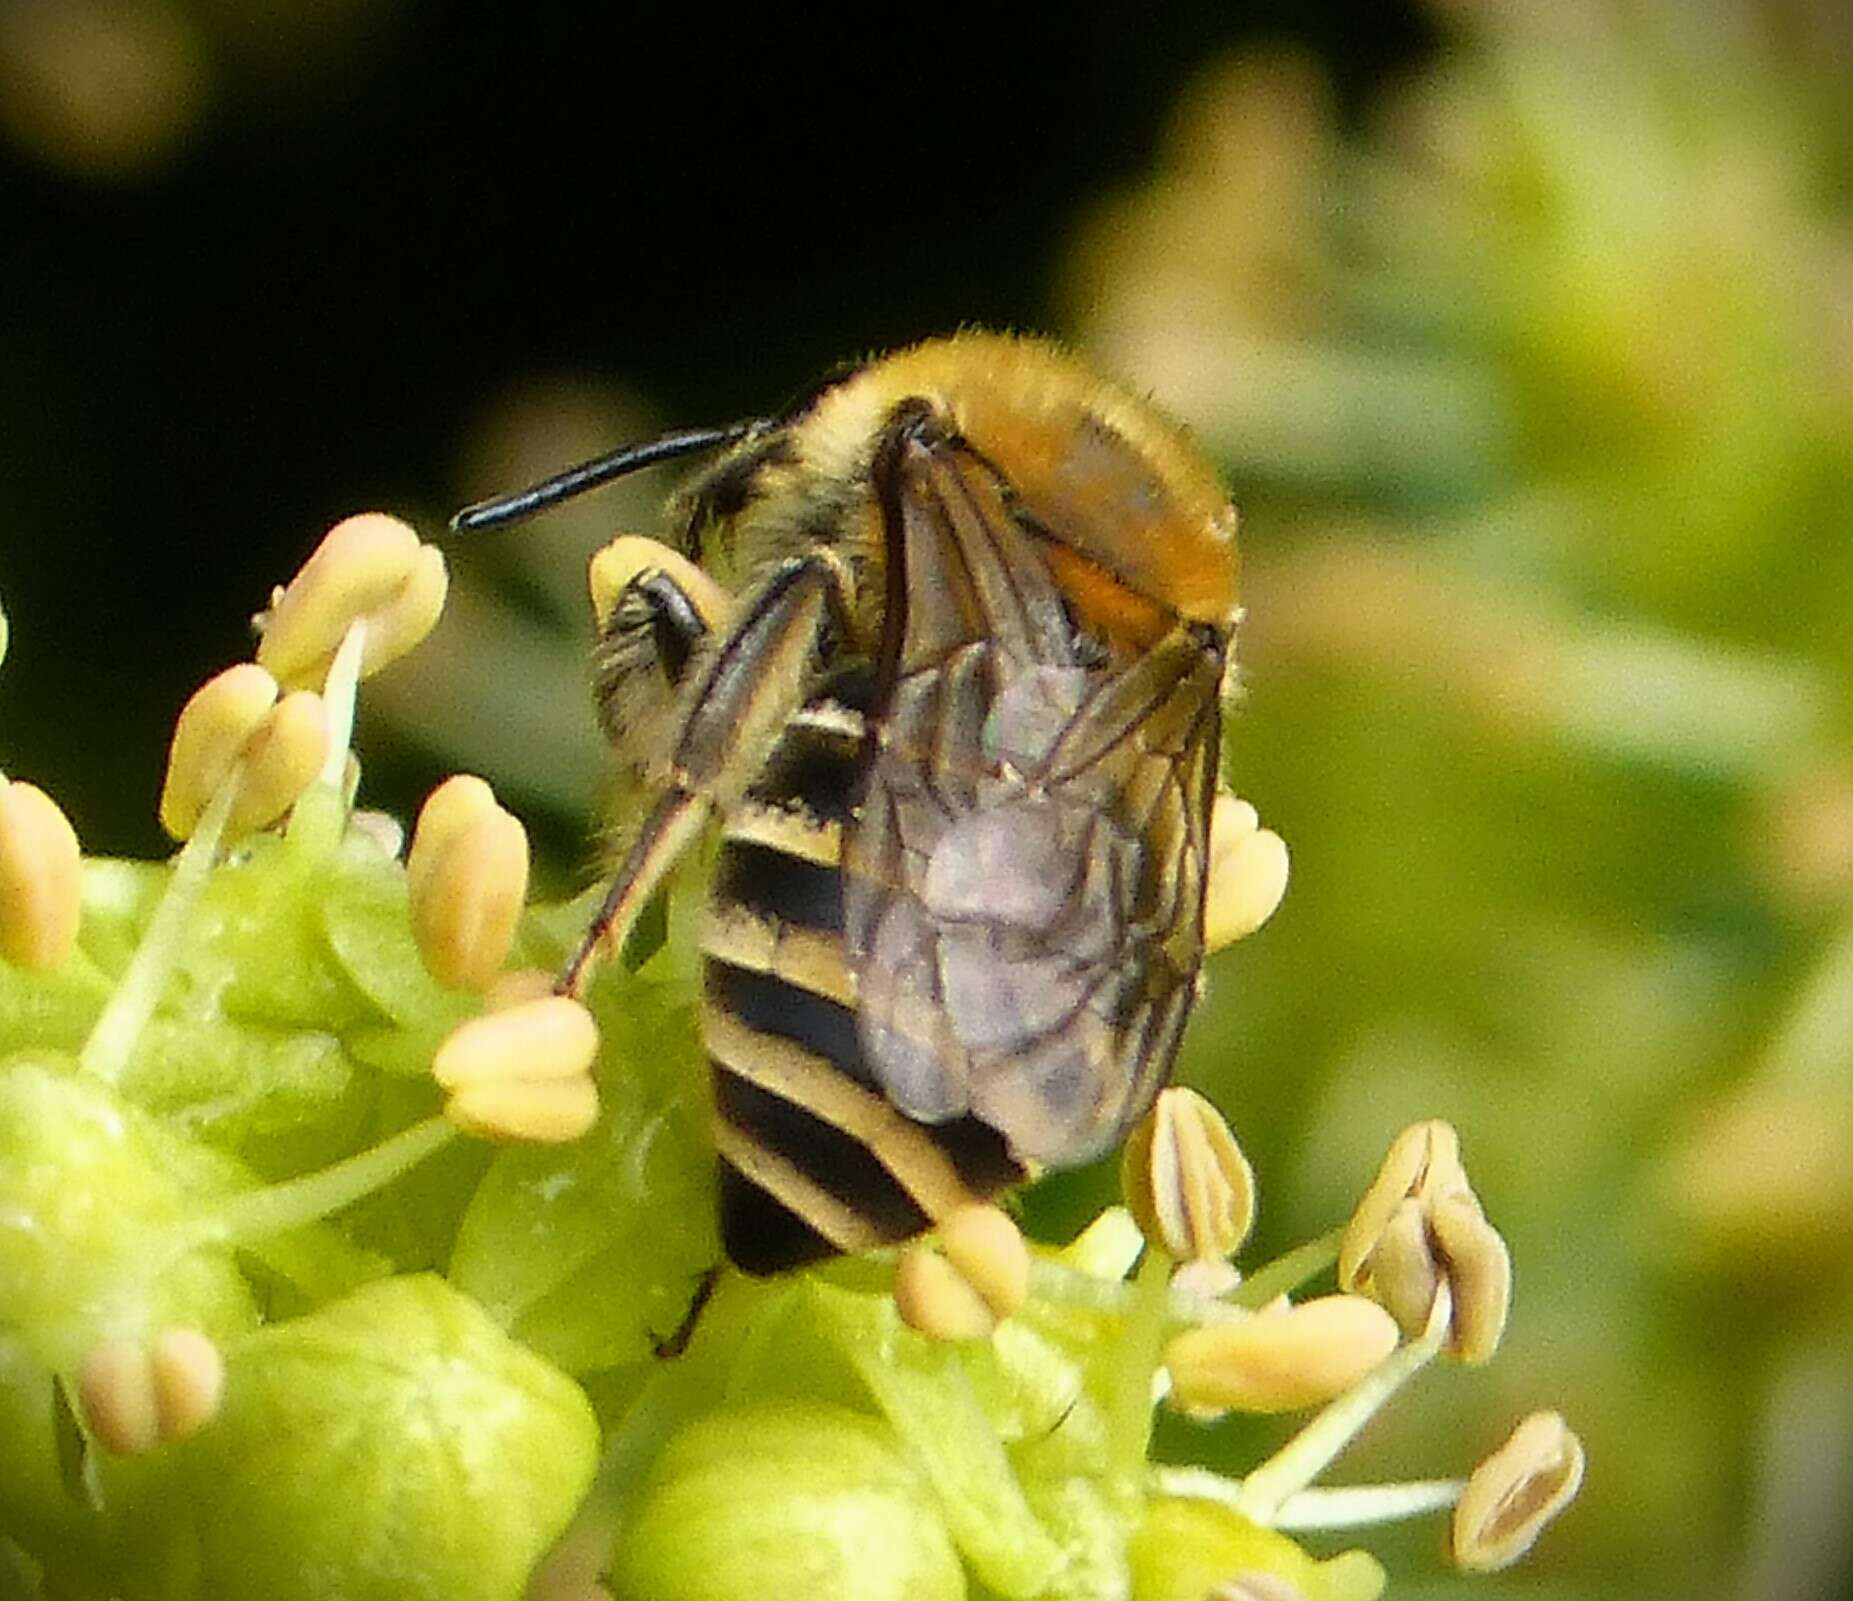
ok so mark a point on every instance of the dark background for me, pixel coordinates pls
(297, 314)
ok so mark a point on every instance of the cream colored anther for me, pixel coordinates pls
(1248, 869)
(1278, 1360)
(115, 1393)
(630, 556)
(448, 810)
(524, 1073)
(209, 735)
(1187, 1182)
(237, 718)
(369, 568)
(1514, 1493)
(467, 879)
(281, 760)
(188, 1370)
(982, 1278)
(41, 873)
(1420, 1224)
(135, 1397)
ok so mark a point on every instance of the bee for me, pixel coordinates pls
(957, 717)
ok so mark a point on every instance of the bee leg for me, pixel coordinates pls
(673, 1345)
(750, 686)
(656, 610)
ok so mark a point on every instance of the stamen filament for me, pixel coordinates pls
(137, 993)
(1286, 1273)
(339, 692)
(1310, 1452)
(1350, 1506)
(314, 1196)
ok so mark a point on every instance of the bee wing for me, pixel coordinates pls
(1023, 883)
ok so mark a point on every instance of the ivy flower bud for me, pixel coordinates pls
(281, 759)
(209, 735)
(41, 871)
(787, 1499)
(1248, 870)
(467, 879)
(395, 1441)
(88, 1194)
(522, 1074)
(135, 1397)
(1514, 1493)
(982, 1278)
(368, 568)
(1420, 1225)
(630, 556)
(1187, 1549)
(1187, 1181)
(1278, 1361)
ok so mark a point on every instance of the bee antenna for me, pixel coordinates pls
(524, 503)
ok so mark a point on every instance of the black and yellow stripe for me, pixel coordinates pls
(814, 1159)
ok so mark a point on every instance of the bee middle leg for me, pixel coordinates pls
(747, 688)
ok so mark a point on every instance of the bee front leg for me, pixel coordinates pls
(745, 690)
(655, 612)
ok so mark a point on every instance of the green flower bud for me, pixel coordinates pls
(1186, 1548)
(391, 1445)
(93, 1207)
(789, 1499)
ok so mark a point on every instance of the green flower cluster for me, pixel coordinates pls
(269, 1324)
(252, 1171)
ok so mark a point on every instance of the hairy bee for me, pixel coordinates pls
(957, 716)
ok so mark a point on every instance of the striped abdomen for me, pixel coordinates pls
(813, 1159)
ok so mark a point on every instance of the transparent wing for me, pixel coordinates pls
(1023, 881)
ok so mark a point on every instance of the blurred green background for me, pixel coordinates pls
(1524, 329)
